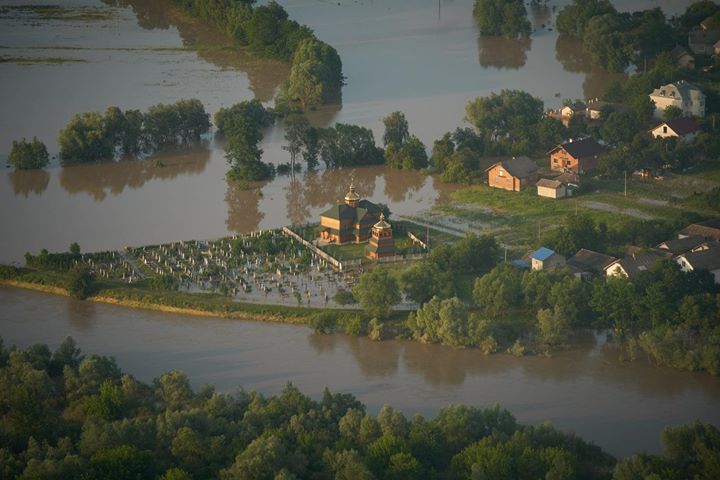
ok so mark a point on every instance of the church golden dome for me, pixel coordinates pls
(352, 196)
(382, 224)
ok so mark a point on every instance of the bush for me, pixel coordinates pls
(344, 297)
(28, 155)
(79, 282)
(323, 322)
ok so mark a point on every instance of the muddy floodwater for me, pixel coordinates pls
(422, 57)
(622, 407)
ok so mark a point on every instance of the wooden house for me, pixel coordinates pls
(578, 156)
(350, 221)
(514, 174)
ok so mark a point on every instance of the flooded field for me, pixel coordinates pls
(423, 57)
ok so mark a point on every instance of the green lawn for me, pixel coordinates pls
(518, 219)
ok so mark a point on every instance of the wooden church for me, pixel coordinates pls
(351, 221)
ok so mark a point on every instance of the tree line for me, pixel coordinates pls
(66, 415)
(316, 68)
(93, 136)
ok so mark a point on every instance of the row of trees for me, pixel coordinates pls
(316, 71)
(614, 40)
(509, 123)
(93, 136)
(66, 415)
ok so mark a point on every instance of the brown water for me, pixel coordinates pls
(422, 57)
(622, 407)
(418, 56)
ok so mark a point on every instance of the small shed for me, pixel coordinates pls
(545, 259)
(551, 188)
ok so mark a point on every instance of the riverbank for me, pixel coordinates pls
(184, 303)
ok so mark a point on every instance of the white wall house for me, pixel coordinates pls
(685, 128)
(682, 95)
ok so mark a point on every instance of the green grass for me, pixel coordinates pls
(706, 171)
(350, 251)
(518, 219)
(56, 12)
(22, 60)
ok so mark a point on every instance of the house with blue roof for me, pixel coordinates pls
(546, 259)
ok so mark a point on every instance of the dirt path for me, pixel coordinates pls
(631, 212)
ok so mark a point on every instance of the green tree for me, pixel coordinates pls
(423, 280)
(573, 19)
(498, 291)
(410, 156)
(125, 462)
(26, 155)
(263, 459)
(377, 291)
(498, 17)
(396, 129)
(79, 282)
(84, 139)
(348, 146)
(672, 112)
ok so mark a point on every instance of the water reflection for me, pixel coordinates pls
(502, 52)
(569, 53)
(540, 15)
(100, 180)
(244, 214)
(211, 45)
(27, 182)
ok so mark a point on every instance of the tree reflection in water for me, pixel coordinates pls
(210, 44)
(570, 54)
(27, 182)
(100, 179)
(503, 52)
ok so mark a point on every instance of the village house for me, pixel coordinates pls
(596, 108)
(575, 108)
(351, 221)
(381, 243)
(706, 257)
(703, 42)
(546, 259)
(634, 263)
(514, 174)
(681, 94)
(552, 188)
(578, 156)
(682, 58)
(709, 230)
(682, 245)
(685, 128)
(587, 264)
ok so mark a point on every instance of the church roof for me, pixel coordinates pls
(382, 224)
(343, 211)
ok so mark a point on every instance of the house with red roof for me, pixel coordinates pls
(685, 128)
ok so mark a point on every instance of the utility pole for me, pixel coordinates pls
(625, 183)
(505, 253)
